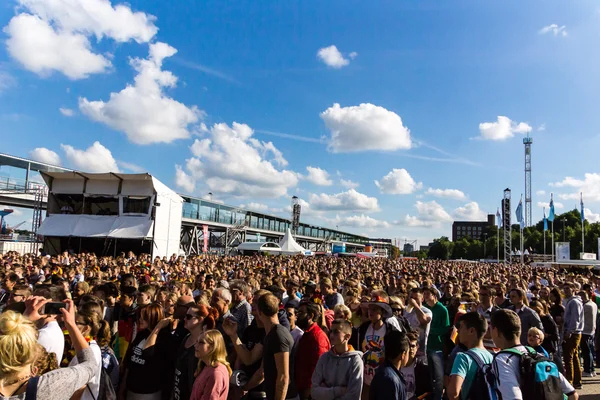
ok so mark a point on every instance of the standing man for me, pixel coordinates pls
(529, 318)
(440, 326)
(590, 313)
(573, 328)
(419, 318)
(313, 344)
(485, 308)
(388, 383)
(278, 343)
(332, 297)
(240, 308)
(292, 299)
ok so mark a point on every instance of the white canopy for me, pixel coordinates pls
(289, 245)
(96, 226)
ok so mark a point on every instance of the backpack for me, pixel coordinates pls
(539, 376)
(106, 390)
(482, 387)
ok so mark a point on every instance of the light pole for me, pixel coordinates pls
(484, 244)
(564, 219)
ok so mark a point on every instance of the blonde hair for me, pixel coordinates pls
(344, 310)
(538, 331)
(217, 354)
(18, 343)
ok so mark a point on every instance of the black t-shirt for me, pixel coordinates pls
(252, 336)
(185, 366)
(147, 372)
(278, 340)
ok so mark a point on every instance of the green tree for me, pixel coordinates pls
(441, 249)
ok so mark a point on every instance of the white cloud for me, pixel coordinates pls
(447, 193)
(45, 155)
(398, 181)
(349, 184)
(136, 169)
(361, 221)
(429, 214)
(554, 29)
(67, 112)
(183, 180)
(95, 158)
(332, 57)
(470, 212)
(541, 128)
(542, 204)
(589, 185)
(590, 216)
(502, 129)
(540, 193)
(142, 110)
(231, 161)
(54, 35)
(318, 176)
(350, 200)
(365, 127)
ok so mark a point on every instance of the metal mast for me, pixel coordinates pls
(506, 225)
(527, 142)
(296, 210)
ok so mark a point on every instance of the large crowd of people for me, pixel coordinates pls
(78, 326)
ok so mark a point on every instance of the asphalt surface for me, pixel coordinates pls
(591, 388)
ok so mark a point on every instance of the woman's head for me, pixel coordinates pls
(81, 289)
(201, 316)
(210, 350)
(18, 343)
(149, 316)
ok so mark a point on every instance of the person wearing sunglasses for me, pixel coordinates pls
(198, 319)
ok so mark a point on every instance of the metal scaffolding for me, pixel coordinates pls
(528, 141)
(506, 225)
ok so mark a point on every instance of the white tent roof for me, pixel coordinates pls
(289, 245)
(96, 226)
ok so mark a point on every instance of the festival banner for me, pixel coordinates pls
(205, 237)
(563, 251)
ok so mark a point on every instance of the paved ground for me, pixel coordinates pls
(591, 388)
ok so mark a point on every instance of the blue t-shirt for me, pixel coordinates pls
(465, 367)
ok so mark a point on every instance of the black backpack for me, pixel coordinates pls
(107, 390)
(482, 387)
(539, 376)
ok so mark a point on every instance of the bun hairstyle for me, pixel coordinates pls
(210, 315)
(18, 343)
(100, 329)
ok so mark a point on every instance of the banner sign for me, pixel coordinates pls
(205, 237)
(563, 251)
(587, 256)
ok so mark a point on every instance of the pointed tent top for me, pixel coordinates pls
(289, 245)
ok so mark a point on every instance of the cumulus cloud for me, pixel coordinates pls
(542, 204)
(429, 214)
(67, 112)
(589, 185)
(554, 29)
(142, 110)
(54, 35)
(95, 158)
(364, 127)
(398, 181)
(454, 194)
(590, 216)
(540, 192)
(470, 212)
(45, 155)
(230, 161)
(502, 129)
(318, 176)
(332, 57)
(183, 180)
(361, 221)
(349, 184)
(350, 200)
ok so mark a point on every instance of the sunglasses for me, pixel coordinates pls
(190, 316)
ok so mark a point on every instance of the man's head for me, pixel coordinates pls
(240, 291)
(396, 347)
(268, 306)
(209, 282)
(128, 280)
(326, 286)
(19, 294)
(341, 331)
(431, 295)
(308, 314)
(472, 328)
(568, 288)
(128, 295)
(292, 287)
(220, 300)
(10, 281)
(584, 296)
(516, 297)
(413, 342)
(292, 316)
(417, 295)
(506, 327)
(486, 294)
(145, 295)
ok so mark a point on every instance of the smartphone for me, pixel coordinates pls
(53, 308)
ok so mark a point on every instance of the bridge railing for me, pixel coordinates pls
(15, 185)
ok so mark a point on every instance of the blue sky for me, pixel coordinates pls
(434, 98)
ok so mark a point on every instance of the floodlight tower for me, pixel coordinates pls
(506, 225)
(528, 141)
(296, 209)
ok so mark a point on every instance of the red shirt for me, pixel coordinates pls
(312, 345)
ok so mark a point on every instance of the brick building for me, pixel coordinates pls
(472, 229)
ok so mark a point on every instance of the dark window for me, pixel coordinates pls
(136, 205)
(101, 205)
(65, 204)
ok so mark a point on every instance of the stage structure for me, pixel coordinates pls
(528, 141)
(110, 212)
(296, 210)
(506, 225)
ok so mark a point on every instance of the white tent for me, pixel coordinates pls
(289, 245)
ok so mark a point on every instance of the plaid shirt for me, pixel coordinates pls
(243, 314)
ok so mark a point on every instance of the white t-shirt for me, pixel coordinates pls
(411, 381)
(423, 330)
(53, 339)
(506, 368)
(93, 384)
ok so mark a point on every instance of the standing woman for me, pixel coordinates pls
(144, 377)
(198, 319)
(212, 381)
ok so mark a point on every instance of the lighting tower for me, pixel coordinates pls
(528, 142)
(506, 225)
(296, 209)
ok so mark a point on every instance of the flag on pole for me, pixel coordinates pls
(498, 217)
(551, 214)
(545, 221)
(582, 214)
(519, 213)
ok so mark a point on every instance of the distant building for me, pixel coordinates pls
(472, 229)
(424, 248)
(408, 248)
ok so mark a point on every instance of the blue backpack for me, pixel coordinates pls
(539, 376)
